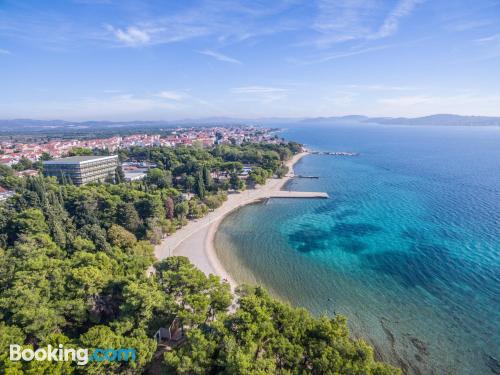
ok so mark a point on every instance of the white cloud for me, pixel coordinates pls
(488, 39)
(5, 52)
(407, 101)
(124, 106)
(261, 93)
(463, 103)
(340, 55)
(391, 23)
(224, 21)
(125, 103)
(345, 20)
(342, 20)
(219, 56)
(340, 99)
(257, 90)
(467, 25)
(117, 107)
(171, 95)
(132, 35)
(379, 87)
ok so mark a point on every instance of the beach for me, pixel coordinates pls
(196, 239)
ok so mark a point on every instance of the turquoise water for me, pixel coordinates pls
(408, 246)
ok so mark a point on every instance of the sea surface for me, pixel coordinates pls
(407, 247)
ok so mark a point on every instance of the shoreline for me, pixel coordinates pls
(196, 240)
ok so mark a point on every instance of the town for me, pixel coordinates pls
(12, 151)
(63, 156)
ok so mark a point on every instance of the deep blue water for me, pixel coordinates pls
(408, 246)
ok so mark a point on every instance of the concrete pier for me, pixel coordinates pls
(297, 194)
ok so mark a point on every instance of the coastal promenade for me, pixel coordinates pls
(195, 240)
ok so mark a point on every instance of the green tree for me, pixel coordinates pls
(127, 217)
(182, 209)
(75, 269)
(200, 186)
(282, 171)
(46, 156)
(28, 222)
(80, 151)
(141, 301)
(102, 336)
(119, 175)
(207, 177)
(119, 236)
(190, 182)
(160, 178)
(196, 357)
(149, 207)
(234, 181)
(23, 164)
(5, 171)
(215, 201)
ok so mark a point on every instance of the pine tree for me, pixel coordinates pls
(207, 178)
(234, 181)
(128, 217)
(200, 186)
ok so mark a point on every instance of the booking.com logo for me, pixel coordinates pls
(61, 354)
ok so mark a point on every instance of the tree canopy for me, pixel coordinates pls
(75, 266)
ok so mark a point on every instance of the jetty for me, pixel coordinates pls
(302, 176)
(335, 153)
(297, 194)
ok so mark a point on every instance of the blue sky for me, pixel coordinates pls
(163, 60)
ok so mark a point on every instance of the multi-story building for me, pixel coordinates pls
(82, 169)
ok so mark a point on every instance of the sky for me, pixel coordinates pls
(166, 60)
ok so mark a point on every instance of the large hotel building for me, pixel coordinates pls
(82, 169)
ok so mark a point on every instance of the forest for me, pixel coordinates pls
(75, 266)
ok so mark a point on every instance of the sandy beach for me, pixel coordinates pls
(196, 240)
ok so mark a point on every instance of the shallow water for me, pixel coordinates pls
(408, 247)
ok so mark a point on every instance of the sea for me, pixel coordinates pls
(407, 247)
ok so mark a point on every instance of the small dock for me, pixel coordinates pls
(302, 176)
(335, 153)
(298, 194)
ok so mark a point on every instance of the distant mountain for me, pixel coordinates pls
(337, 119)
(28, 125)
(440, 120)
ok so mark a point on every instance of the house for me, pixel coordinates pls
(4, 193)
(173, 334)
(186, 196)
(135, 175)
(27, 173)
(7, 160)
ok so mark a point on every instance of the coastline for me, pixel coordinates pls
(196, 240)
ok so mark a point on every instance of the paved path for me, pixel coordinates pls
(195, 240)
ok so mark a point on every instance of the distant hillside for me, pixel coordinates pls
(28, 125)
(444, 120)
(337, 119)
(440, 120)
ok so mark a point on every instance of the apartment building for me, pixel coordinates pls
(82, 169)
